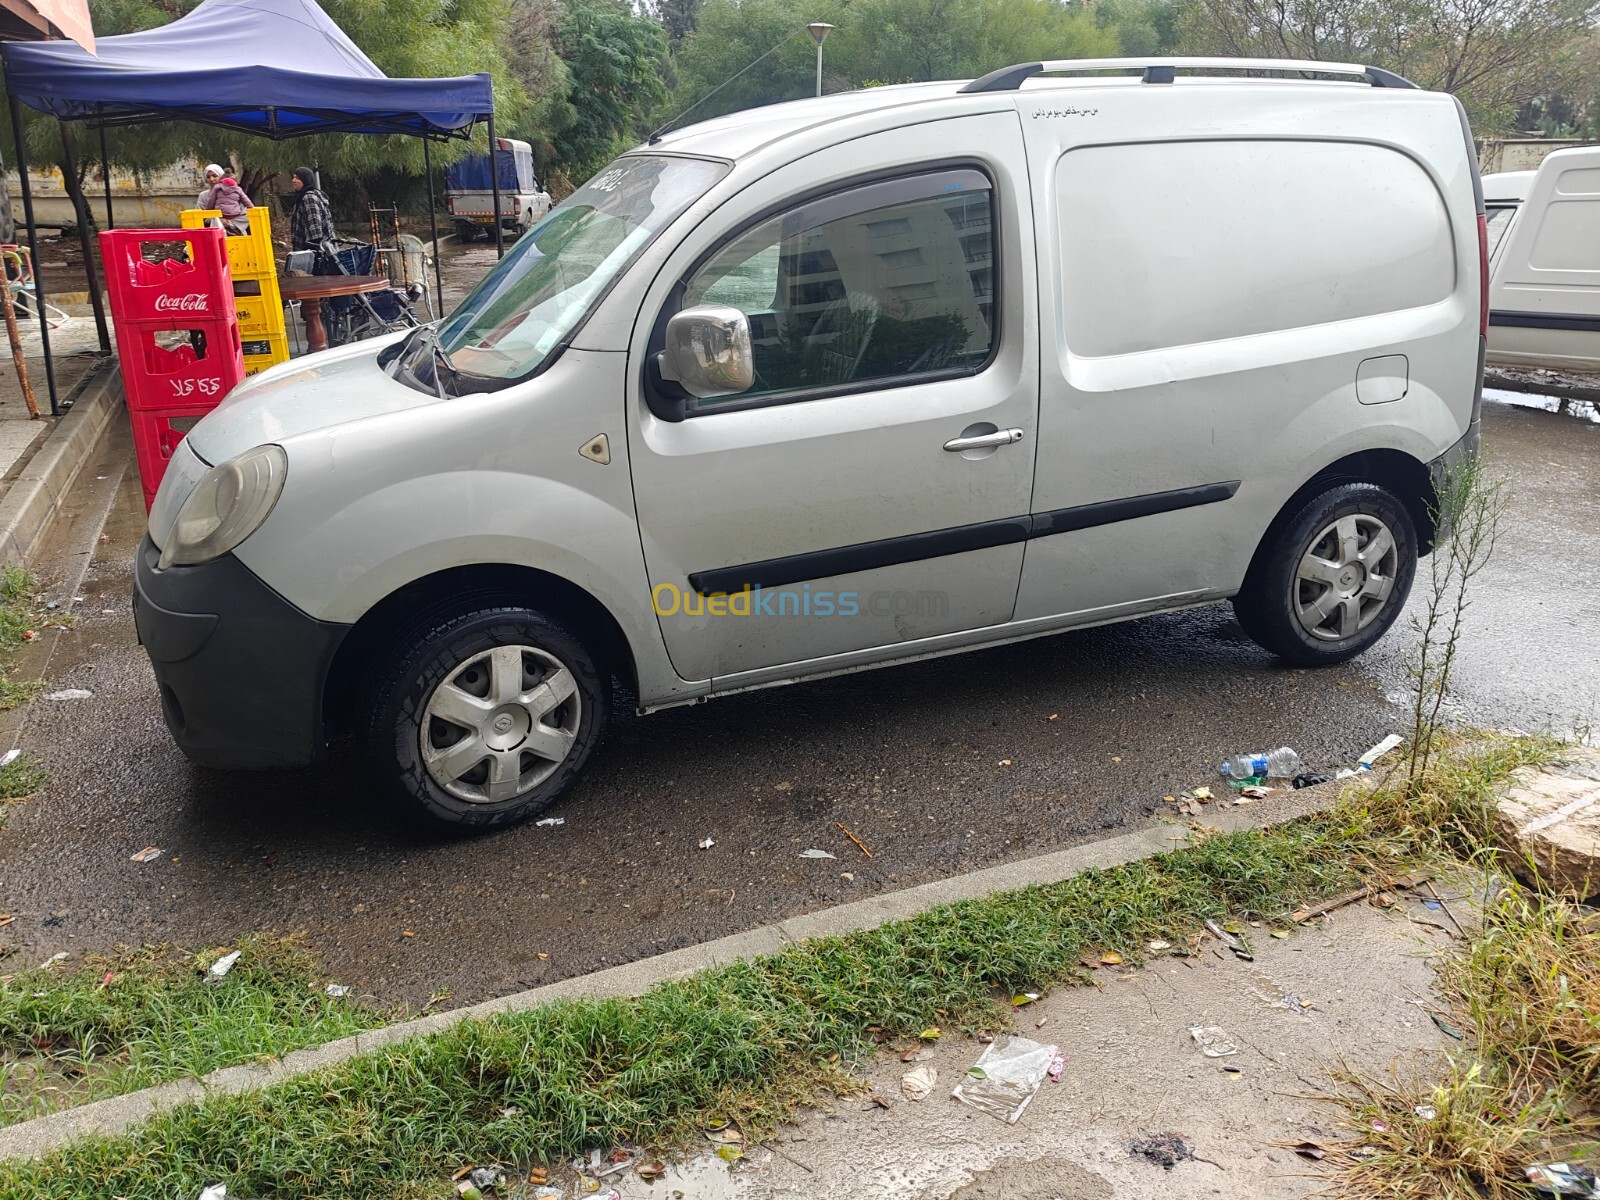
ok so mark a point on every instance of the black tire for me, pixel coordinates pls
(454, 650)
(1273, 596)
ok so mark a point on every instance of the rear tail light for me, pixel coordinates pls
(1483, 275)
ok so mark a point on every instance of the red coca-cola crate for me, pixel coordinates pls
(195, 365)
(156, 275)
(156, 435)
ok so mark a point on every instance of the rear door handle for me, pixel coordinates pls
(1001, 437)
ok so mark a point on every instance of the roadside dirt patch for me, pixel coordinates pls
(1044, 1178)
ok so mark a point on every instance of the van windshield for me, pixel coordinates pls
(535, 297)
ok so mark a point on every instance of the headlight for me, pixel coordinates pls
(227, 506)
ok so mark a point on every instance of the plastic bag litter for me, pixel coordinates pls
(815, 854)
(217, 1191)
(1563, 1179)
(222, 966)
(70, 694)
(918, 1084)
(550, 822)
(1213, 1041)
(1011, 1077)
(1378, 751)
(9, 757)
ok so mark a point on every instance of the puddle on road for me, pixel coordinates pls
(1582, 410)
(706, 1178)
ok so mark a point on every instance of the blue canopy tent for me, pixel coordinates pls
(270, 68)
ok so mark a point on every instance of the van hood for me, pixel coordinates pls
(331, 388)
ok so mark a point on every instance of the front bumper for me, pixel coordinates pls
(241, 670)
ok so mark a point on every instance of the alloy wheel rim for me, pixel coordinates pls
(1346, 577)
(500, 724)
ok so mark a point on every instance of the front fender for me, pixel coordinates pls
(375, 504)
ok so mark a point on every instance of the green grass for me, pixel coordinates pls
(17, 609)
(748, 1040)
(140, 1017)
(1524, 1088)
(21, 777)
(19, 614)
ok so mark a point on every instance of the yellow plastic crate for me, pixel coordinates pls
(250, 256)
(254, 270)
(263, 351)
(259, 316)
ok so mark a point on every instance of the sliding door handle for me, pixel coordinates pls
(1000, 437)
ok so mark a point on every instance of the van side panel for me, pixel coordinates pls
(1544, 299)
(1215, 296)
(1263, 236)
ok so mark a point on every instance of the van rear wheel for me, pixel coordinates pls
(485, 719)
(1332, 578)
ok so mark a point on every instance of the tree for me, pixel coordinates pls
(677, 17)
(543, 74)
(1143, 27)
(615, 58)
(1496, 55)
(729, 35)
(877, 41)
(403, 37)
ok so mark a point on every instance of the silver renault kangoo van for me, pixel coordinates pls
(840, 383)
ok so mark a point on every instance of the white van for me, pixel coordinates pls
(1544, 263)
(835, 384)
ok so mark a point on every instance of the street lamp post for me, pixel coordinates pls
(820, 31)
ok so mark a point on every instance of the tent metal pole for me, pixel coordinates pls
(85, 240)
(33, 251)
(494, 186)
(105, 175)
(433, 226)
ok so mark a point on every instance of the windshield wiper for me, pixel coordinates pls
(444, 355)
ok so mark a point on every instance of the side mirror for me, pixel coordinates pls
(708, 351)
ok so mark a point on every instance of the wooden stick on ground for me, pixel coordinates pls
(1350, 897)
(860, 845)
(17, 356)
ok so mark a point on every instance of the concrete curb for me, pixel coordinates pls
(35, 495)
(107, 1118)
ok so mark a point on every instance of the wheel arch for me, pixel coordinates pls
(458, 589)
(1395, 470)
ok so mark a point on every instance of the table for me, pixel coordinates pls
(312, 290)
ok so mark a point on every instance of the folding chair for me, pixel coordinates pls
(25, 289)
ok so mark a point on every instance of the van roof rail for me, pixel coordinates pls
(1164, 70)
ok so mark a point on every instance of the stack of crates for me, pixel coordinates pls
(256, 298)
(171, 298)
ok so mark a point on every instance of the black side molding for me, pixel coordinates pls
(1107, 512)
(865, 556)
(1529, 320)
(960, 539)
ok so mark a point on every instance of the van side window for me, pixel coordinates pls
(1499, 220)
(879, 285)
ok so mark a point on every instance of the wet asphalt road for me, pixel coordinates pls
(939, 767)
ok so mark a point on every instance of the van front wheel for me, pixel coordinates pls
(1333, 578)
(487, 718)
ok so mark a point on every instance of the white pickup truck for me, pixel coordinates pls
(469, 193)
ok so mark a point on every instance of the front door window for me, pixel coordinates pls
(877, 286)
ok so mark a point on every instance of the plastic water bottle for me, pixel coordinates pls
(1282, 763)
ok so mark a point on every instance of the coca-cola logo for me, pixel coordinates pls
(193, 302)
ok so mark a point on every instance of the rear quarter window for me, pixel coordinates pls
(1180, 243)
